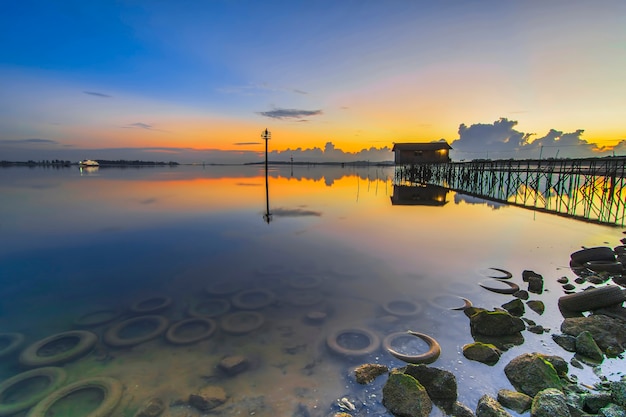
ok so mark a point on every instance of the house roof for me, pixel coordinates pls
(425, 146)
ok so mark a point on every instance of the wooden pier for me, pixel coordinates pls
(590, 189)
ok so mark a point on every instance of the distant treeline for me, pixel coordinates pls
(52, 162)
(123, 162)
(102, 162)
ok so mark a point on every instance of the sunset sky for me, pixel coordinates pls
(194, 81)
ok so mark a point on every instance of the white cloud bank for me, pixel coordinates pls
(500, 140)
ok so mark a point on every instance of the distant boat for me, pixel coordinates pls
(88, 163)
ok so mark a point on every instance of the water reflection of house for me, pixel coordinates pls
(419, 195)
(421, 153)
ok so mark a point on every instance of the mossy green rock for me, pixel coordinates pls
(404, 396)
(612, 410)
(536, 306)
(587, 347)
(439, 384)
(489, 407)
(618, 392)
(531, 373)
(496, 323)
(549, 403)
(515, 307)
(609, 333)
(513, 400)
(482, 352)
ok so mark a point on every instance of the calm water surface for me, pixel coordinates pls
(341, 241)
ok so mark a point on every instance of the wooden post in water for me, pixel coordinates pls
(266, 135)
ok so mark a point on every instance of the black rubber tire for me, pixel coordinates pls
(434, 301)
(332, 341)
(242, 322)
(91, 319)
(144, 307)
(15, 342)
(112, 394)
(112, 335)
(219, 308)
(593, 298)
(239, 299)
(430, 356)
(506, 274)
(605, 266)
(397, 308)
(55, 375)
(86, 341)
(173, 338)
(599, 253)
(513, 288)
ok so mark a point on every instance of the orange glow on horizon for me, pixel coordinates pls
(245, 136)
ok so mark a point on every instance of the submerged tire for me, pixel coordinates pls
(304, 298)
(225, 287)
(209, 308)
(112, 336)
(85, 341)
(505, 274)
(12, 342)
(97, 318)
(253, 299)
(402, 308)
(151, 305)
(513, 288)
(600, 253)
(56, 377)
(112, 393)
(461, 303)
(172, 335)
(430, 356)
(242, 322)
(333, 340)
(593, 298)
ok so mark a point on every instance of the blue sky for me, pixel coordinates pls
(199, 80)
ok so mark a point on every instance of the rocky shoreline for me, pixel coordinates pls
(594, 327)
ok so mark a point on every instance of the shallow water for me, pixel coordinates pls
(73, 243)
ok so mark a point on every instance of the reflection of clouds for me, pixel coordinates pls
(458, 198)
(247, 184)
(44, 186)
(297, 212)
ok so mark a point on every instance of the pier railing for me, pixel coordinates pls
(591, 189)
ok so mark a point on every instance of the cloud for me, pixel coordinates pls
(500, 140)
(96, 94)
(254, 89)
(246, 143)
(140, 125)
(620, 148)
(332, 154)
(282, 114)
(145, 126)
(30, 141)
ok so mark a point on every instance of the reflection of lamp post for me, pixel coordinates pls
(267, 216)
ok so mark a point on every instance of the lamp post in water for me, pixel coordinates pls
(266, 135)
